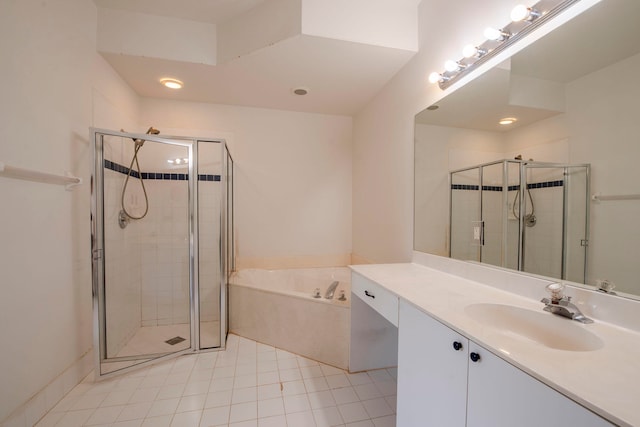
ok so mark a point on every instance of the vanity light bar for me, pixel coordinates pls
(525, 20)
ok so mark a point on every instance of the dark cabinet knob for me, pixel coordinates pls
(368, 294)
(474, 356)
(457, 345)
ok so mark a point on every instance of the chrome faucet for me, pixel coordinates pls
(561, 305)
(331, 290)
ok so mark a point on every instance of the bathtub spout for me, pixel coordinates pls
(331, 290)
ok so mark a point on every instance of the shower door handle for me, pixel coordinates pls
(478, 232)
(96, 254)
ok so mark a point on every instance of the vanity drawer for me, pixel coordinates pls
(378, 298)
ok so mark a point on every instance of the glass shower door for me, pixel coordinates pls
(577, 192)
(210, 280)
(141, 249)
(493, 211)
(555, 242)
(466, 228)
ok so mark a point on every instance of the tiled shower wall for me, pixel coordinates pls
(122, 268)
(543, 242)
(147, 263)
(164, 246)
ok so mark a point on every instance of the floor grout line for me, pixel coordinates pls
(224, 389)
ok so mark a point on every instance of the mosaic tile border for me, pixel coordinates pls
(532, 186)
(116, 167)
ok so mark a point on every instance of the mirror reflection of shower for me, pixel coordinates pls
(491, 220)
(125, 215)
(529, 218)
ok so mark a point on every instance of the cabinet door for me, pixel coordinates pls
(432, 374)
(500, 395)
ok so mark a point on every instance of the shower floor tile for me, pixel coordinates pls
(152, 339)
(224, 388)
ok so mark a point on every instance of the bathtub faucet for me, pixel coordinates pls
(331, 290)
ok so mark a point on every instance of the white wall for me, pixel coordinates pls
(378, 22)
(152, 36)
(292, 178)
(438, 150)
(58, 88)
(383, 131)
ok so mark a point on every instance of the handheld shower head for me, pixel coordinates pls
(124, 214)
(151, 131)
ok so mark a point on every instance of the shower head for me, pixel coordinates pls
(140, 142)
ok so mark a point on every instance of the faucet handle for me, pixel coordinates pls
(556, 290)
(605, 285)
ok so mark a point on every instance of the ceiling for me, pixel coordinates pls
(341, 76)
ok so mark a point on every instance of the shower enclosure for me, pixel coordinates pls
(524, 215)
(162, 246)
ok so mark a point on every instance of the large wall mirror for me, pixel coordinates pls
(521, 196)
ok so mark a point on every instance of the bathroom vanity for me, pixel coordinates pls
(471, 354)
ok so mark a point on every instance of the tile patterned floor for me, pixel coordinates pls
(248, 385)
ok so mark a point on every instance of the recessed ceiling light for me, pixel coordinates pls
(172, 83)
(508, 121)
(300, 91)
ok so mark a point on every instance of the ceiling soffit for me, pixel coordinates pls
(283, 35)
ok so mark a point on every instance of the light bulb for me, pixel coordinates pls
(522, 13)
(451, 66)
(494, 34)
(170, 161)
(435, 77)
(469, 51)
(178, 161)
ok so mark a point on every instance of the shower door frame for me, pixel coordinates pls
(98, 241)
(565, 211)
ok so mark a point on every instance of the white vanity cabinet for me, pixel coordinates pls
(374, 326)
(432, 374)
(444, 379)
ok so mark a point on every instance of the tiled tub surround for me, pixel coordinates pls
(247, 385)
(606, 381)
(276, 307)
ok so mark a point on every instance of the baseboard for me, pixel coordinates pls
(30, 412)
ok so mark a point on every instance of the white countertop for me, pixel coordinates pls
(606, 380)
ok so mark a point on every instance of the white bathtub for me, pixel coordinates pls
(277, 307)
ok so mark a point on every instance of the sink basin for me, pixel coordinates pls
(543, 328)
